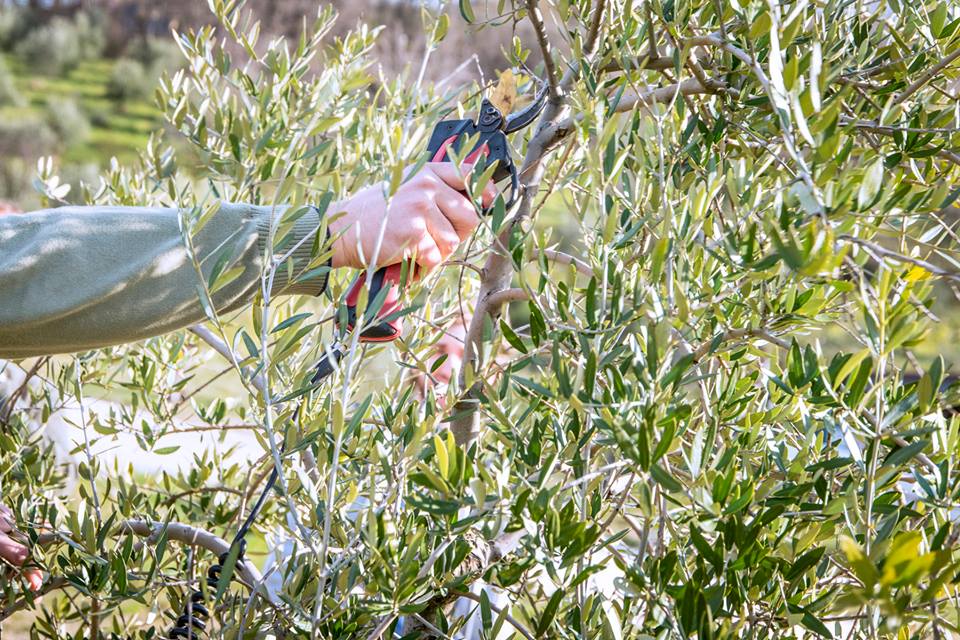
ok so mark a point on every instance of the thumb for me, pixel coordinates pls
(13, 552)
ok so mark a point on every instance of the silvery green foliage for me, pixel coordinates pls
(129, 81)
(9, 94)
(51, 48)
(695, 419)
(68, 120)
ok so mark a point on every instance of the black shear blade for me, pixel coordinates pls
(528, 114)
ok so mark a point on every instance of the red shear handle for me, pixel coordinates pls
(441, 154)
(385, 331)
(382, 331)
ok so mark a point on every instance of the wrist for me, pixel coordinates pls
(340, 232)
(344, 226)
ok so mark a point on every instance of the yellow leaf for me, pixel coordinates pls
(849, 366)
(862, 567)
(504, 95)
(904, 549)
(441, 453)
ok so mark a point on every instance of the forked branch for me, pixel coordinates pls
(498, 270)
(175, 531)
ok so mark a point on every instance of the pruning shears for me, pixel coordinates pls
(489, 135)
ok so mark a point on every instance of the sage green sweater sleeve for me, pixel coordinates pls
(80, 278)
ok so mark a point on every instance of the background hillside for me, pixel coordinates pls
(77, 78)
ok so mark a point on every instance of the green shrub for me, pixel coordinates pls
(129, 80)
(80, 175)
(52, 48)
(15, 176)
(9, 95)
(15, 22)
(158, 55)
(91, 37)
(666, 447)
(99, 117)
(68, 121)
(29, 137)
(134, 77)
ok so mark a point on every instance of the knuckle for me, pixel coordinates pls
(420, 207)
(418, 225)
(415, 208)
(426, 178)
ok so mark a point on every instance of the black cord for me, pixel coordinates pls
(192, 623)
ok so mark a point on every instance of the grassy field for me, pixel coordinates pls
(117, 130)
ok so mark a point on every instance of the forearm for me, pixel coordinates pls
(79, 278)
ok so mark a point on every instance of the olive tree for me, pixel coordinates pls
(698, 397)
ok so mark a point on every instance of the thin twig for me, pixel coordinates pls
(22, 603)
(195, 536)
(593, 31)
(634, 99)
(925, 77)
(533, 11)
(174, 498)
(11, 401)
(889, 130)
(500, 298)
(899, 257)
(645, 63)
(384, 623)
(433, 629)
(221, 347)
(651, 34)
(91, 475)
(738, 334)
(94, 619)
(506, 616)
(564, 258)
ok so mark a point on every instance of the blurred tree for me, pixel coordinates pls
(9, 95)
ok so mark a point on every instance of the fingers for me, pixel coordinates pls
(427, 254)
(489, 194)
(457, 210)
(428, 217)
(444, 232)
(15, 553)
(12, 552)
(441, 238)
(433, 234)
(34, 578)
(456, 178)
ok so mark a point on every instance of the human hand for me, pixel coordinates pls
(427, 219)
(13, 552)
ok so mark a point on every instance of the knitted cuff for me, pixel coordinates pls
(294, 277)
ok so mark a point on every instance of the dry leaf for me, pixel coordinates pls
(504, 95)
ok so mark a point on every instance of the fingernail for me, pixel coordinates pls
(34, 578)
